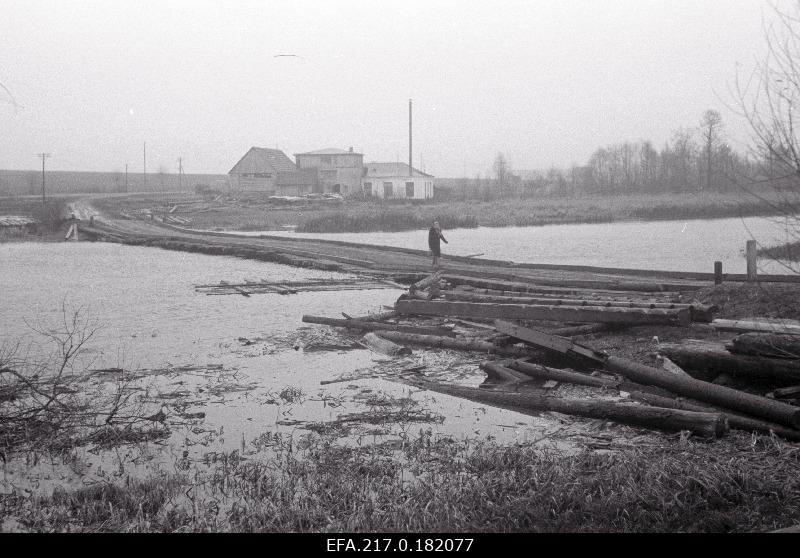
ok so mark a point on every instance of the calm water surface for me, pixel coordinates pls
(667, 245)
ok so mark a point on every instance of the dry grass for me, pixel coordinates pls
(741, 484)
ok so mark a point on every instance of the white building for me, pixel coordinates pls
(393, 181)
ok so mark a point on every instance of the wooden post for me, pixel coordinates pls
(751, 260)
(718, 273)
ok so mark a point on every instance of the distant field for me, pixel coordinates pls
(26, 182)
(365, 216)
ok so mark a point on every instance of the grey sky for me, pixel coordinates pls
(546, 82)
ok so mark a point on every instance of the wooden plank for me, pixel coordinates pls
(440, 342)
(588, 314)
(552, 342)
(620, 285)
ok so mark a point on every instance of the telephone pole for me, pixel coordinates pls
(126, 177)
(44, 157)
(180, 174)
(144, 171)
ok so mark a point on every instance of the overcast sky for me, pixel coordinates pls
(544, 81)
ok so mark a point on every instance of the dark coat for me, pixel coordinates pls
(434, 235)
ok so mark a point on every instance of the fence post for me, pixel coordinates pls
(750, 251)
(718, 273)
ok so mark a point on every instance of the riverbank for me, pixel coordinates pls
(252, 213)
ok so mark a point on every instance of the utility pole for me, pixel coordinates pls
(144, 171)
(410, 172)
(126, 177)
(44, 157)
(180, 174)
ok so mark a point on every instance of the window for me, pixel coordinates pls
(336, 188)
(328, 174)
(327, 159)
(387, 189)
(409, 189)
(368, 188)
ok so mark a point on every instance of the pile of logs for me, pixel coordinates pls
(671, 397)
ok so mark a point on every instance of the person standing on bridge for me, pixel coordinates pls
(434, 235)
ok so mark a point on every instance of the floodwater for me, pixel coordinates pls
(692, 245)
(257, 373)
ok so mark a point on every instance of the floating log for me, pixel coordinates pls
(775, 345)
(710, 393)
(710, 359)
(384, 346)
(539, 312)
(375, 326)
(701, 423)
(457, 344)
(786, 392)
(761, 324)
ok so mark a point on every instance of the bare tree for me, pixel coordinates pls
(768, 98)
(711, 132)
(500, 169)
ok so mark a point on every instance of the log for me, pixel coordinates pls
(457, 344)
(718, 395)
(775, 345)
(761, 324)
(736, 421)
(710, 359)
(640, 393)
(560, 301)
(384, 346)
(559, 292)
(375, 326)
(535, 282)
(495, 371)
(786, 392)
(701, 423)
(574, 331)
(639, 316)
(375, 317)
(427, 282)
(722, 396)
(561, 375)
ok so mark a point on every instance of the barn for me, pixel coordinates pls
(270, 171)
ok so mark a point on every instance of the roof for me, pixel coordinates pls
(387, 170)
(263, 159)
(15, 221)
(329, 151)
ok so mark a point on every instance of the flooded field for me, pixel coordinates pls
(665, 245)
(229, 372)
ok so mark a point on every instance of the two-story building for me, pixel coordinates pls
(338, 171)
(394, 181)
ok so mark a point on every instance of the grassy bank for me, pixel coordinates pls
(366, 216)
(743, 484)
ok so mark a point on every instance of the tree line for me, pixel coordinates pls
(695, 159)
